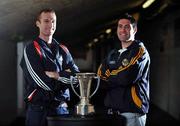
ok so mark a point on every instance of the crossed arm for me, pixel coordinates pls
(56, 76)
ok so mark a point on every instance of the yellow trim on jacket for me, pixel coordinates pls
(135, 98)
(133, 61)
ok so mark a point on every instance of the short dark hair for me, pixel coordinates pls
(45, 10)
(130, 18)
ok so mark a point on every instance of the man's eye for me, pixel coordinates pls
(120, 26)
(126, 27)
(46, 21)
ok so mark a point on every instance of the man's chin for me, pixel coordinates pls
(50, 34)
(123, 40)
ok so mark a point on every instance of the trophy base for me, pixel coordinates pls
(84, 109)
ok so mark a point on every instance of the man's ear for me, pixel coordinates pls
(37, 23)
(135, 30)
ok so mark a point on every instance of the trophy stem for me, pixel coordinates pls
(84, 107)
(84, 101)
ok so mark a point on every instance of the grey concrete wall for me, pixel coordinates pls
(163, 34)
(7, 81)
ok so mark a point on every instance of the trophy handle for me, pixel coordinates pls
(71, 78)
(98, 82)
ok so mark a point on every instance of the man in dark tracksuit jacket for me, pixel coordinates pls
(125, 73)
(47, 67)
(42, 91)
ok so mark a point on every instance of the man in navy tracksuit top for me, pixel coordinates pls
(125, 73)
(47, 67)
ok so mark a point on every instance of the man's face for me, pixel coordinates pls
(46, 24)
(125, 30)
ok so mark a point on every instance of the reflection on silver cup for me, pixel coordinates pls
(85, 80)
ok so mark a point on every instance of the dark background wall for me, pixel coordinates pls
(162, 37)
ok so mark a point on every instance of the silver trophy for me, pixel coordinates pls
(85, 80)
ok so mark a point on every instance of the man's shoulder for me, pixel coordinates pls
(139, 43)
(64, 48)
(112, 54)
(142, 48)
(61, 45)
(31, 46)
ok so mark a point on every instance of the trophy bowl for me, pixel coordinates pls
(85, 80)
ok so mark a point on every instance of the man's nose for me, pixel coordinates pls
(123, 29)
(51, 24)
